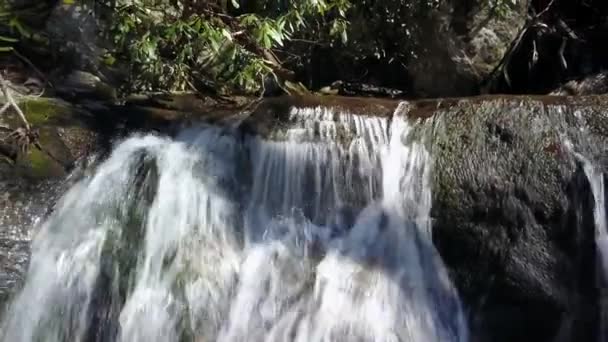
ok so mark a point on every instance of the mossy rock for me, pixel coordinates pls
(64, 134)
(46, 116)
(51, 111)
(50, 162)
(37, 165)
(513, 213)
(42, 111)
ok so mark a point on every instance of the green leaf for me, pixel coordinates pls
(16, 24)
(109, 60)
(266, 42)
(215, 44)
(250, 20)
(197, 25)
(275, 35)
(226, 34)
(150, 49)
(8, 39)
(235, 4)
(344, 36)
(281, 24)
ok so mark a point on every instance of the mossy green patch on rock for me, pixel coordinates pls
(42, 111)
(53, 145)
(51, 161)
(38, 165)
(51, 111)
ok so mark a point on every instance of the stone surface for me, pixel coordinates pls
(80, 84)
(513, 214)
(49, 118)
(590, 85)
(461, 44)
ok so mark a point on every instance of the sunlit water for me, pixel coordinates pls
(322, 234)
(595, 177)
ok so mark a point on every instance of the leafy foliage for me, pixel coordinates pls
(189, 44)
(15, 23)
(8, 21)
(238, 45)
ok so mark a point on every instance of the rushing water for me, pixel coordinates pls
(595, 177)
(322, 234)
(596, 182)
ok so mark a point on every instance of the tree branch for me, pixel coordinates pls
(545, 9)
(10, 101)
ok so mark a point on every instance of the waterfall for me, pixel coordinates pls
(595, 177)
(320, 233)
(596, 182)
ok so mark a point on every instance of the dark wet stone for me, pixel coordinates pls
(513, 215)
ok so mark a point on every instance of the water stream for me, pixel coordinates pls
(595, 177)
(319, 234)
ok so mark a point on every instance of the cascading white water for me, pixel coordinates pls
(323, 236)
(596, 183)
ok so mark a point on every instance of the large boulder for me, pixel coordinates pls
(461, 43)
(513, 212)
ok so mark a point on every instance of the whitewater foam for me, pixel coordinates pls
(323, 236)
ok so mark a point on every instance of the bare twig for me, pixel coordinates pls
(545, 10)
(221, 15)
(307, 41)
(11, 102)
(5, 107)
(562, 48)
(534, 58)
(562, 24)
(192, 87)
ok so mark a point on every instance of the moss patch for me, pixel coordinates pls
(41, 111)
(52, 143)
(47, 163)
(38, 165)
